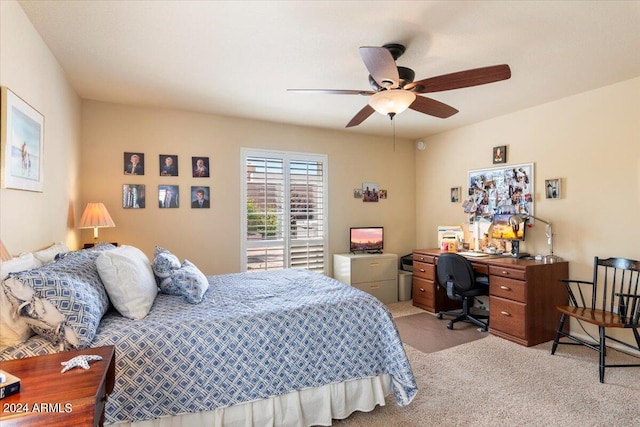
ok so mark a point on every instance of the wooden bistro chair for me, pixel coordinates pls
(612, 300)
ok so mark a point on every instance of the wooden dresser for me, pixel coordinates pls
(523, 294)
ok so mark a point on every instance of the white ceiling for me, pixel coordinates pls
(237, 58)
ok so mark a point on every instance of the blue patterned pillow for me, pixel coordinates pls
(175, 279)
(163, 264)
(189, 282)
(63, 300)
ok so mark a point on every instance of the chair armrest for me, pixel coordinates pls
(576, 300)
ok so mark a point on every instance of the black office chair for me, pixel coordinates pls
(456, 274)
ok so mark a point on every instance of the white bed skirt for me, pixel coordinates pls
(312, 406)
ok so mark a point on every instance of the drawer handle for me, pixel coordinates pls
(505, 313)
(506, 288)
(421, 289)
(422, 270)
(505, 272)
(375, 286)
(421, 258)
(374, 264)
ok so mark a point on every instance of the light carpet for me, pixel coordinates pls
(494, 382)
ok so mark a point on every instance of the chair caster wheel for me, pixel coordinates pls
(439, 316)
(450, 326)
(484, 329)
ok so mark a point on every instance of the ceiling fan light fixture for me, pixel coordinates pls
(392, 101)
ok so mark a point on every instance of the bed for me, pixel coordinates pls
(288, 347)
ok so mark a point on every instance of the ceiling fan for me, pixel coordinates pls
(393, 88)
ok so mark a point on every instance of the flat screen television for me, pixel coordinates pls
(503, 230)
(366, 239)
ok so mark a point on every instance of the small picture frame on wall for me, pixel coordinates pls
(500, 154)
(168, 196)
(357, 193)
(370, 192)
(200, 167)
(552, 188)
(168, 165)
(22, 143)
(133, 196)
(383, 194)
(133, 163)
(200, 198)
(455, 194)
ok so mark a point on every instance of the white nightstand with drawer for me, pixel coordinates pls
(376, 274)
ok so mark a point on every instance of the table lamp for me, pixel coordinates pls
(95, 216)
(516, 220)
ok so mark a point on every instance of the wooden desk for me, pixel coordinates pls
(523, 294)
(48, 397)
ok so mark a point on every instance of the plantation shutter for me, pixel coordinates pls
(284, 206)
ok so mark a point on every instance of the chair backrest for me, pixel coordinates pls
(613, 277)
(456, 269)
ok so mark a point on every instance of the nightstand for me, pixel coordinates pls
(48, 397)
(90, 245)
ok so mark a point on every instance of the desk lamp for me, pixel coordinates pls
(516, 220)
(95, 216)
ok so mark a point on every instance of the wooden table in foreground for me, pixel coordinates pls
(524, 294)
(48, 397)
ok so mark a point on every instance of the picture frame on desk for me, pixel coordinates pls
(22, 144)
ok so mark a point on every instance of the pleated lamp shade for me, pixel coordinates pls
(96, 216)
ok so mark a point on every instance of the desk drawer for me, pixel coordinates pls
(507, 316)
(426, 271)
(511, 273)
(430, 259)
(508, 288)
(423, 292)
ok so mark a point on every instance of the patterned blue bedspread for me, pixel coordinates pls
(254, 336)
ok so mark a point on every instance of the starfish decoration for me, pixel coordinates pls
(82, 361)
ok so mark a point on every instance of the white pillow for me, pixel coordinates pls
(23, 262)
(13, 329)
(45, 256)
(128, 279)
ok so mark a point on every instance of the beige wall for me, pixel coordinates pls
(30, 220)
(591, 141)
(211, 237)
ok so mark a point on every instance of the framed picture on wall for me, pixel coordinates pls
(168, 196)
(168, 165)
(200, 167)
(22, 144)
(370, 192)
(133, 196)
(200, 197)
(502, 190)
(552, 188)
(455, 194)
(500, 154)
(133, 163)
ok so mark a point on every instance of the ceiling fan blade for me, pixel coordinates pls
(381, 66)
(462, 79)
(334, 91)
(361, 116)
(432, 107)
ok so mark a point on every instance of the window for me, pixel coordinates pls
(284, 204)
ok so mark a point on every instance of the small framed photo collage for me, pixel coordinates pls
(134, 196)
